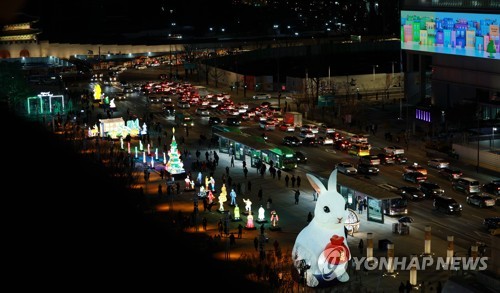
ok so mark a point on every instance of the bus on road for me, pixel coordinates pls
(283, 157)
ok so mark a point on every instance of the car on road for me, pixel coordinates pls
(395, 150)
(342, 145)
(447, 204)
(325, 128)
(450, 173)
(346, 168)
(310, 141)
(491, 222)
(386, 159)
(359, 149)
(411, 193)
(438, 163)
(169, 110)
(430, 189)
(480, 200)
(183, 104)
(415, 168)
(492, 188)
(367, 169)
(325, 140)
(370, 160)
(358, 139)
(203, 111)
(414, 177)
(310, 127)
(400, 159)
(305, 134)
(301, 157)
(267, 125)
(120, 96)
(214, 120)
(286, 127)
(233, 121)
(261, 96)
(291, 141)
(466, 184)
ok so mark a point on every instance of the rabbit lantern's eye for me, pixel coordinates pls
(326, 209)
(345, 207)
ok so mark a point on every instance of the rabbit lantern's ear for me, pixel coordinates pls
(319, 186)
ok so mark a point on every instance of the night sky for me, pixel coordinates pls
(111, 20)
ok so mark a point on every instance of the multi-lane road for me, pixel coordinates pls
(321, 160)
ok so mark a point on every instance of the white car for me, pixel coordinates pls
(310, 127)
(305, 134)
(325, 140)
(346, 168)
(438, 163)
(267, 125)
(202, 111)
(394, 150)
(359, 139)
(261, 96)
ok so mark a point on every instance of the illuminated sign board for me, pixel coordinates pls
(464, 34)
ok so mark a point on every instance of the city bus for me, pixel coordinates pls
(283, 157)
(395, 206)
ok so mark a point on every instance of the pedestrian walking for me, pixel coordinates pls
(361, 246)
(240, 231)
(220, 226)
(309, 217)
(297, 194)
(232, 239)
(269, 202)
(286, 180)
(244, 164)
(232, 161)
(204, 223)
(360, 207)
(227, 170)
(298, 181)
(279, 174)
(245, 171)
(293, 179)
(160, 190)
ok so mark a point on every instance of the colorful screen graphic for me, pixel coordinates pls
(466, 34)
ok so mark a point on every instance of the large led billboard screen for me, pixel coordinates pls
(466, 34)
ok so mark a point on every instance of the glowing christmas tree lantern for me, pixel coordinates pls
(174, 164)
(141, 147)
(149, 149)
(136, 155)
(121, 143)
(128, 147)
(156, 154)
(144, 157)
(164, 158)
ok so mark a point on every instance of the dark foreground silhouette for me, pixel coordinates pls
(67, 225)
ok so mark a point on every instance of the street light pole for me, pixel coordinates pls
(493, 137)
(374, 66)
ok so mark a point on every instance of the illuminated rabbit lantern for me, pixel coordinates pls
(320, 252)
